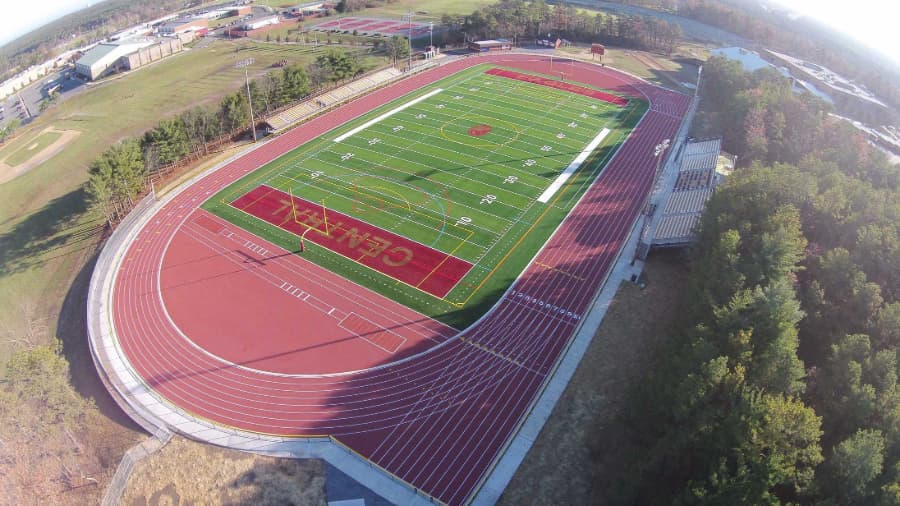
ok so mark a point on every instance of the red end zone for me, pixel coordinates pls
(551, 83)
(405, 260)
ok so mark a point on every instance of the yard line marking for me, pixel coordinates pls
(388, 114)
(576, 163)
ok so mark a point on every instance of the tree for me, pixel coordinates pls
(294, 83)
(338, 65)
(115, 178)
(39, 376)
(171, 140)
(397, 48)
(887, 326)
(235, 111)
(856, 462)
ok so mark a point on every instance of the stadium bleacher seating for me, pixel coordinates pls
(312, 106)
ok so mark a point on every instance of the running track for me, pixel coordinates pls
(438, 419)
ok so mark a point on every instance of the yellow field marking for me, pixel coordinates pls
(564, 273)
(399, 196)
(438, 266)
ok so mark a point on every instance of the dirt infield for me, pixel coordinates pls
(8, 172)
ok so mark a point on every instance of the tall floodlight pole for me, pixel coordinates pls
(244, 64)
(431, 36)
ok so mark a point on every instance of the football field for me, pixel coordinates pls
(439, 199)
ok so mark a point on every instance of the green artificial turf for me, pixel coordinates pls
(420, 174)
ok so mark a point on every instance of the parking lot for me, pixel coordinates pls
(26, 104)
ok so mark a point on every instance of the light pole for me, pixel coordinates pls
(244, 64)
(658, 153)
(642, 247)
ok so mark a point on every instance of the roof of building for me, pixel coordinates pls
(96, 53)
(105, 50)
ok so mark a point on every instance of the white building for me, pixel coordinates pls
(257, 23)
(96, 62)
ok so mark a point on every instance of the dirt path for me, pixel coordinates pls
(8, 173)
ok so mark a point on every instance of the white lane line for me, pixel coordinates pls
(566, 174)
(388, 114)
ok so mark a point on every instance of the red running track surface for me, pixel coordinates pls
(438, 419)
(559, 85)
(393, 255)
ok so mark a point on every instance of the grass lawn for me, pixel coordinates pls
(34, 146)
(422, 174)
(42, 212)
(44, 230)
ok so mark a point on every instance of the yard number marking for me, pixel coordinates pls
(530, 162)
(463, 220)
(560, 136)
(346, 156)
(420, 116)
(510, 180)
(545, 148)
(374, 141)
(573, 124)
(316, 174)
(397, 128)
(488, 199)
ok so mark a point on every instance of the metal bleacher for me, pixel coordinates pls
(695, 184)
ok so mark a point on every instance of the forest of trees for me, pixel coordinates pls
(119, 175)
(780, 383)
(532, 20)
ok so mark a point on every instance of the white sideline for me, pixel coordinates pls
(388, 114)
(562, 178)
